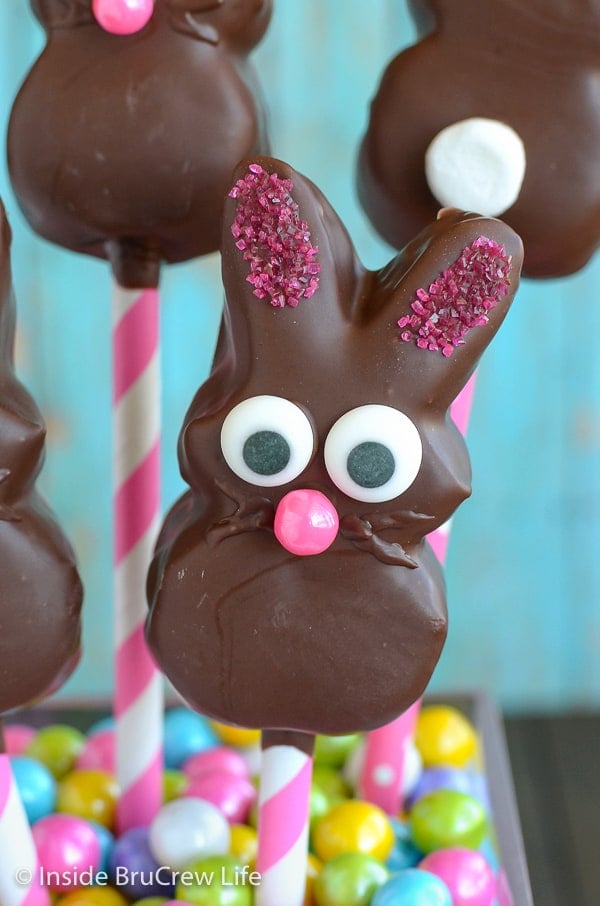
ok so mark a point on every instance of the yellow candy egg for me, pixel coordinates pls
(93, 896)
(313, 871)
(354, 827)
(89, 794)
(243, 844)
(445, 737)
(236, 736)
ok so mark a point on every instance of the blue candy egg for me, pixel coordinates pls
(404, 854)
(36, 785)
(186, 733)
(106, 841)
(413, 887)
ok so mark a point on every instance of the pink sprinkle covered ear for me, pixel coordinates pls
(273, 239)
(459, 299)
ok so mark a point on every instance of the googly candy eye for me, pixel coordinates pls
(373, 453)
(267, 440)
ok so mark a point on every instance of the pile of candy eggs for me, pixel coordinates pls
(201, 848)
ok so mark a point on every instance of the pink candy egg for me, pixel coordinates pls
(466, 873)
(220, 758)
(98, 753)
(123, 17)
(67, 848)
(306, 522)
(233, 795)
(17, 738)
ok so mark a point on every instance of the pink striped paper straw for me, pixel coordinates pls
(385, 756)
(138, 701)
(19, 873)
(283, 812)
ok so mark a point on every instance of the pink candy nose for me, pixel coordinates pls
(306, 522)
(123, 17)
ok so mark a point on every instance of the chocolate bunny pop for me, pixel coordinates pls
(495, 109)
(292, 588)
(40, 590)
(143, 110)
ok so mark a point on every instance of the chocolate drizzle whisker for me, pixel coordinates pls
(362, 532)
(253, 514)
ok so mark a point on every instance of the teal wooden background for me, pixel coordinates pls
(524, 563)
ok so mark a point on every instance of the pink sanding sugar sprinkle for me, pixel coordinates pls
(273, 239)
(459, 299)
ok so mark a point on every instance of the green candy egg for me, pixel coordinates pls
(57, 747)
(174, 785)
(350, 879)
(331, 782)
(333, 750)
(446, 818)
(215, 881)
(319, 803)
(151, 901)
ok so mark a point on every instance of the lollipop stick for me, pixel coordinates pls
(19, 875)
(284, 797)
(136, 450)
(385, 758)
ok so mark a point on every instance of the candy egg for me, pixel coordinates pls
(153, 901)
(353, 827)
(106, 841)
(220, 758)
(188, 829)
(17, 738)
(413, 887)
(36, 785)
(404, 853)
(122, 17)
(233, 795)
(331, 782)
(441, 779)
(447, 818)
(243, 844)
(236, 736)
(67, 846)
(185, 733)
(98, 753)
(350, 879)
(57, 747)
(334, 750)
(466, 873)
(444, 736)
(89, 794)
(319, 804)
(314, 868)
(93, 896)
(174, 785)
(217, 881)
(135, 870)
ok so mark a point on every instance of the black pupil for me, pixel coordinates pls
(371, 464)
(266, 452)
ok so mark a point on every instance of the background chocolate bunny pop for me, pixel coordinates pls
(40, 590)
(292, 588)
(140, 134)
(496, 105)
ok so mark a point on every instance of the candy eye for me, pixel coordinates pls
(373, 453)
(267, 440)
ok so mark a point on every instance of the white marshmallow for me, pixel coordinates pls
(476, 165)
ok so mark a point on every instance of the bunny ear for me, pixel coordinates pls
(63, 13)
(283, 244)
(448, 292)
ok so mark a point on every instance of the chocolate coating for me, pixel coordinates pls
(345, 640)
(533, 64)
(40, 591)
(124, 147)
